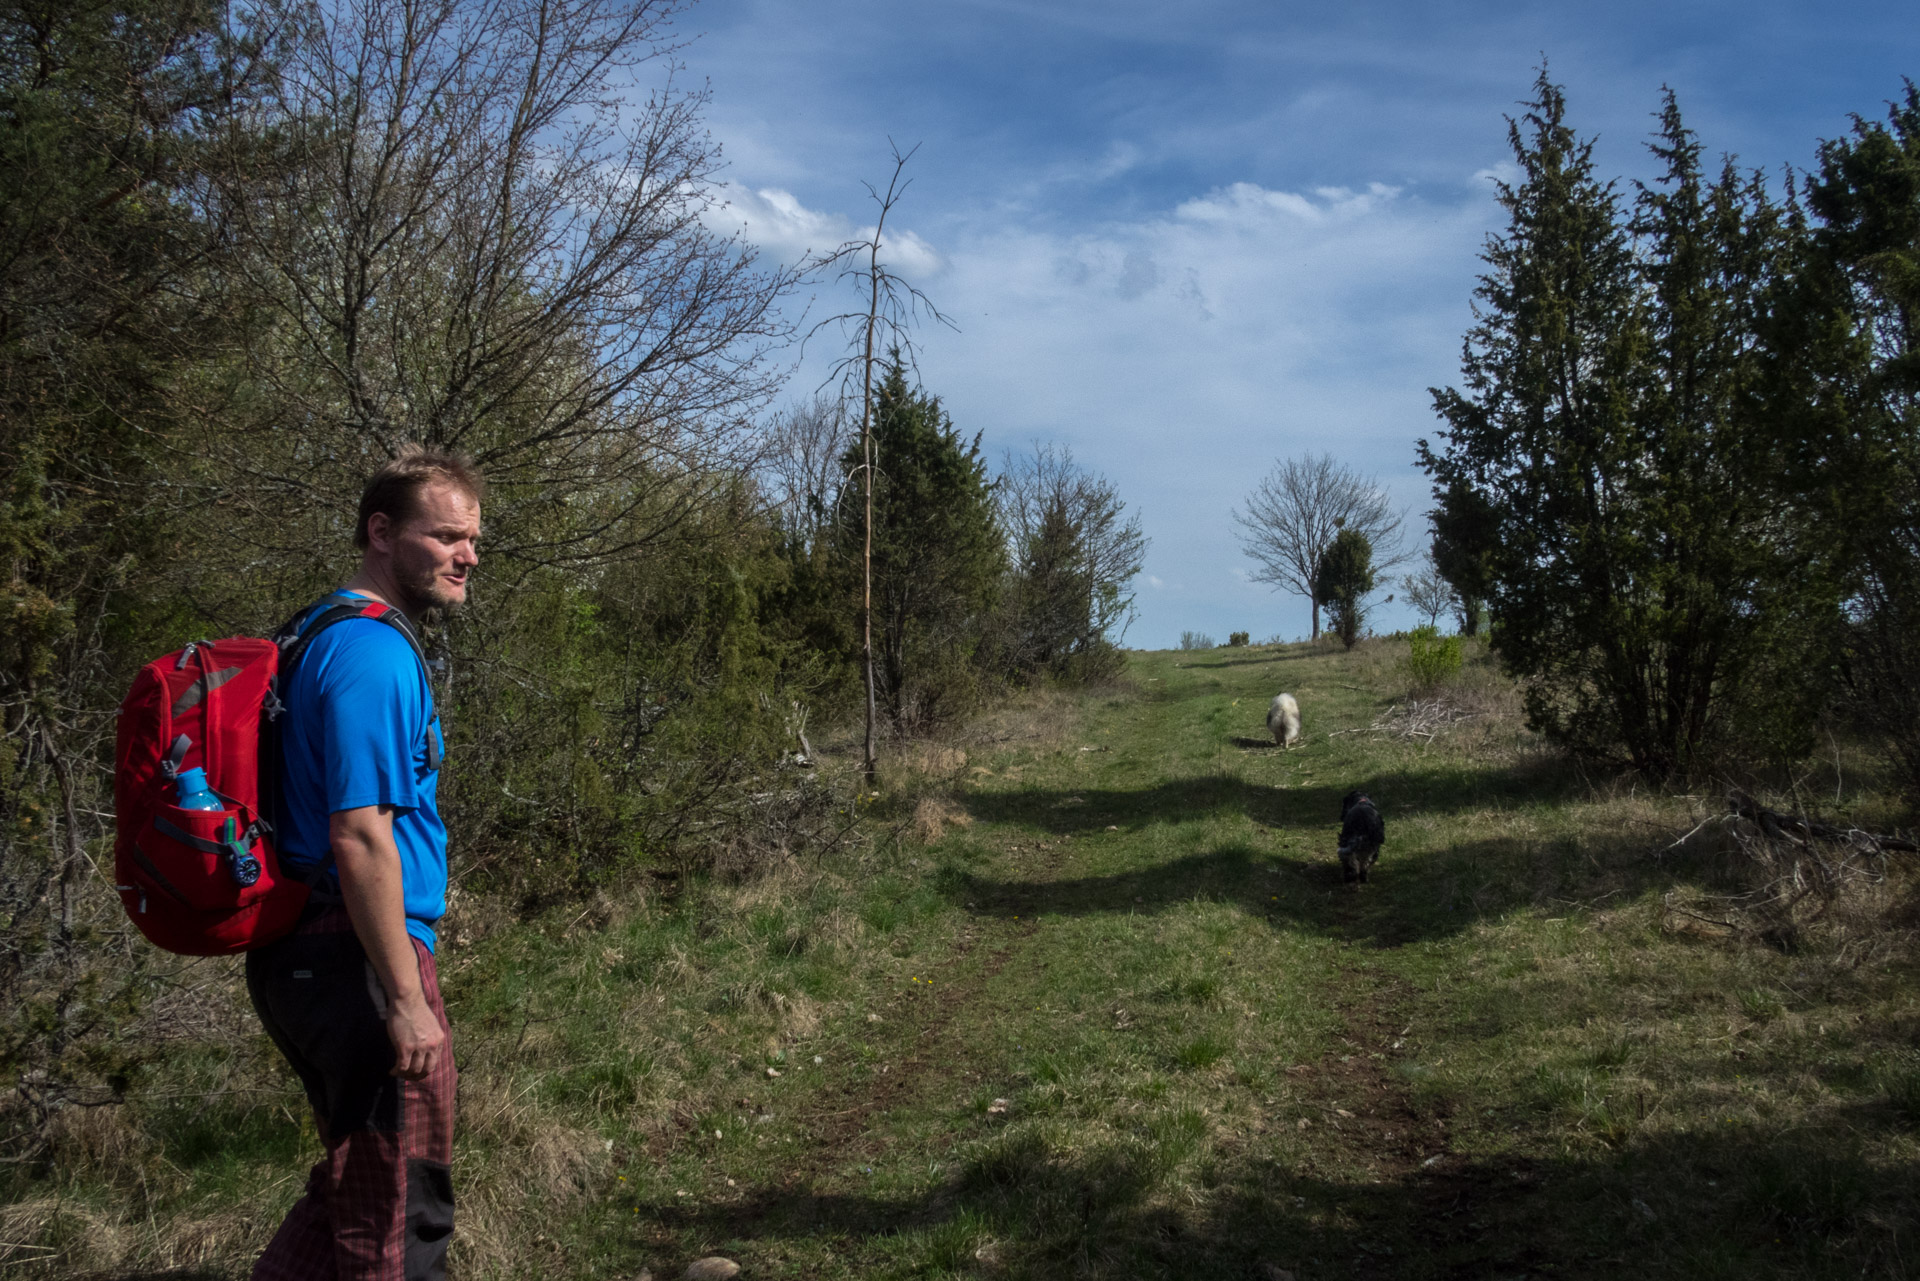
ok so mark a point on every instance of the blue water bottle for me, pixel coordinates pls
(194, 794)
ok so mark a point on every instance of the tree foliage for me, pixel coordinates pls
(1342, 580)
(938, 557)
(1606, 473)
(1862, 316)
(1463, 531)
(1075, 552)
(105, 310)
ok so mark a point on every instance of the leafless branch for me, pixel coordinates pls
(1294, 513)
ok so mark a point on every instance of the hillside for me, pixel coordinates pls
(1095, 1002)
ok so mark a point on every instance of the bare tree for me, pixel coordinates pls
(1045, 498)
(462, 229)
(1427, 590)
(882, 326)
(801, 461)
(1294, 513)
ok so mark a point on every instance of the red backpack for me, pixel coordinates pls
(207, 882)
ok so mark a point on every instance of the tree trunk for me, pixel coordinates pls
(871, 760)
(73, 861)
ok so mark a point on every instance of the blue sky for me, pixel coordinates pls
(1188, 240)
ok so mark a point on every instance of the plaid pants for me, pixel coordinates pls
(379, 1207)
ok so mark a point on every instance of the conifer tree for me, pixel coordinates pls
(1861, 314)
(1342, 580)
(1534, 442)
(937, 555)
(1609, 463)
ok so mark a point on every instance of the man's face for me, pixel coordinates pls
(431, 551)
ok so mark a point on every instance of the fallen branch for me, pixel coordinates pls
(1423, 719)
(1778, 823)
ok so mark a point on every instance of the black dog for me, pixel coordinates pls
(1361, 834)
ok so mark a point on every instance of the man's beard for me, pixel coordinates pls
(421, 590)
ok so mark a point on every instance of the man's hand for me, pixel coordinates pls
(418, 1039)
(369, 864)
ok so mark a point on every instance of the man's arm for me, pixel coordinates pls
(369, 865)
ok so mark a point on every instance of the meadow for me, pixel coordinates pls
(1090, 999)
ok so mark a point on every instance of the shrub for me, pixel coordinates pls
(1196, 640)
(1432, 659)
(1342, 581)
(1237, 638)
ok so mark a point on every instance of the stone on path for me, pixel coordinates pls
(711, 1268)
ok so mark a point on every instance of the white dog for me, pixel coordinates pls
(1283, 720)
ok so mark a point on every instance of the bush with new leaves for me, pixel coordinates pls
(1432, 659)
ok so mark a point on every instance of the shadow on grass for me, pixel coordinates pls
(1444, 788)
(1251, 660)
(1288, 871)
(1685, 1205)
(1442, 894)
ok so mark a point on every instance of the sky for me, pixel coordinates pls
(1188, 241)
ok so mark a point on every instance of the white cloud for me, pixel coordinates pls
(775, 220)
(1255, 208)
(1506, 171)
(1181, 353)
(907, 253)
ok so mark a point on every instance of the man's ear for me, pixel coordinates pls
(380, 532)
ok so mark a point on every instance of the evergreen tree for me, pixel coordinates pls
(1860, 312)
(1534, 441)
(1736, 593)
(937, 555)
(1052, 606)
(1342, 580)
(1609, 463)
(1462, 534)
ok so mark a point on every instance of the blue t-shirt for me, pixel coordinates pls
(355, 733)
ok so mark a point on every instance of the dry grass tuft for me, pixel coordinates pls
(199, 1000)
(933, 816)
(101, 1142)
(564, 1164)
(1040, 717)
(67, 1234)
(932, 760)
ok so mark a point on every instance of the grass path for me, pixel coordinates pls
(1129, 1023)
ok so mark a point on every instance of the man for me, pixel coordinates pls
(351, 997)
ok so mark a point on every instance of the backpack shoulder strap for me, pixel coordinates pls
(304, 628)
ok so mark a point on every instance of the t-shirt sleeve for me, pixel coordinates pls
(374, 715)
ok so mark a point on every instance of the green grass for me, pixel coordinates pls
(1128, 1022)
